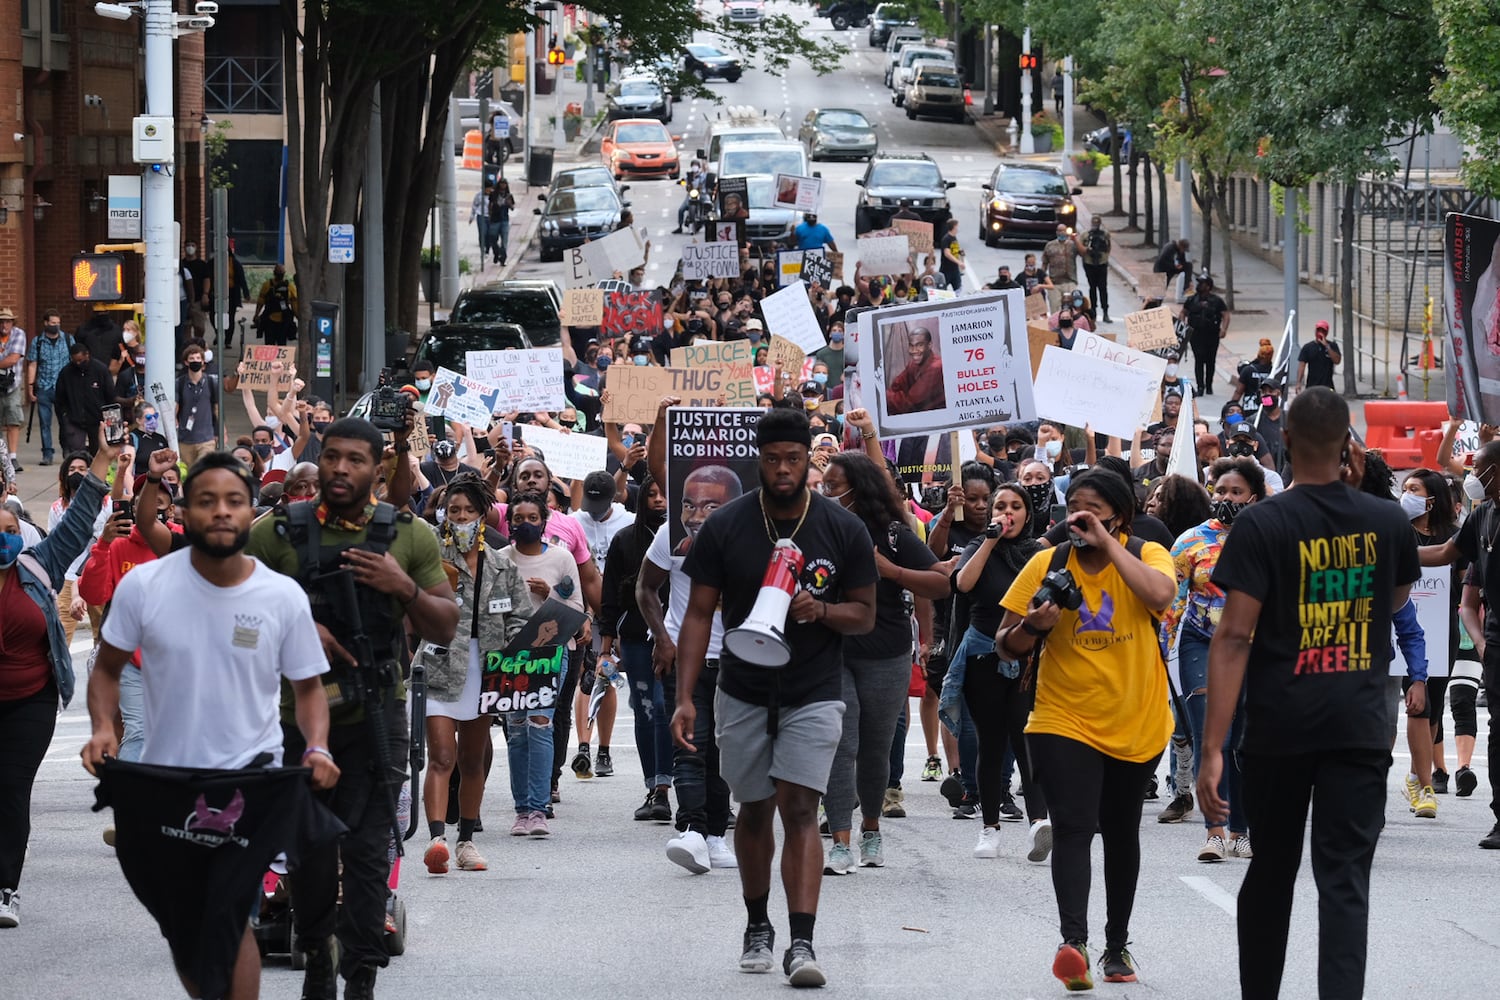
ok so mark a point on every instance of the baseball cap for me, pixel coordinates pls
(1236, 426)
(823, 439)
(598, 491)
(810, 388)
(754, 324)
(1321, 324)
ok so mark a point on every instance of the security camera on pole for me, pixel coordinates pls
(1028, 68)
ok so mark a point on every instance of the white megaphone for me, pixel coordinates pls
(760, 639)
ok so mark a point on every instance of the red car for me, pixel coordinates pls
(640, 146)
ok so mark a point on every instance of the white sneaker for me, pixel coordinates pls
(989, 843)
(871, 849)
(10, 908)
(468, 857)
(1213, 850)
(720, 854)
(840, 860)
(1041, 840)
(689, 850)
(1239, 847)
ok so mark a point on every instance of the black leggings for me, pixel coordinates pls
(1088, 791)
(1205, 354)
(26, 726)
(999, 709)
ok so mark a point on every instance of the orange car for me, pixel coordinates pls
(640, 146)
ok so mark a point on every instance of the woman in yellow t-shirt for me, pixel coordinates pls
(1101, 718)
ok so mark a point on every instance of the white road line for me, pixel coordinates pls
(1211, 891)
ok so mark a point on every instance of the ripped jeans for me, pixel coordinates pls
(528, 743)
(1192, 659)
(653, 720)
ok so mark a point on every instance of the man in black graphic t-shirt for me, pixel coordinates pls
(1311, 577)
(778, 729)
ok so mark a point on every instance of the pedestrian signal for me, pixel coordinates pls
(98, 277)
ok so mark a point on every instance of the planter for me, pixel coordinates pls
(571, 128)
(1085, 171)
(1042, 141)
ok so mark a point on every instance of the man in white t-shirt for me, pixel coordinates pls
(600, 519)
(217, 631)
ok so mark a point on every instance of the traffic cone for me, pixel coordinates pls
(1401, 386)
(968, 97)
(473, 150)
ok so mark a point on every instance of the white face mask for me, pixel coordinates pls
(208, 357)
(464, 535)
(1474, 488)
(1414, 505)
(1171, 371)
(129, 336)
(1054, 449)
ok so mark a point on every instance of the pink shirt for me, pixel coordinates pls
(561, 530)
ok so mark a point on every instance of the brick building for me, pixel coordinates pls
(70, 84)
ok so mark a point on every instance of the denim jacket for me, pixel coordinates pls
(500, 579)
(72, 536)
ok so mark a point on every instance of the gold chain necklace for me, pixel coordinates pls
(771, 525)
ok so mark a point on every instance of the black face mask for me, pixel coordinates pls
(651, 518)
(195, 366)
(75, 480)
(996, 443)
(1040, 495)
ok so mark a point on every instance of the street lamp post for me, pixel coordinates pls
(1028, 144)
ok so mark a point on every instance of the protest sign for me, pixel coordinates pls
(918, 233)
(583, 307)
(420, 439)
(1471, 302)
(734, 199)
(635, 392)
(527, 674)
(571, 456)
(710, 260)
(1433, 596)
(1150, 329)
(943, 365)
(941, 294)
(579, 274)
(928, 458)
(789, 313)
(731, 356)
(529, 379)
(817, 268)
(1039, 336)
(835, 261)
(789, 265)
(629, 312)
(765, 379)
(725, 231)
(257, 373)
(1078, 390)
(1036, 306)
(785, 356)
(620, 251)
(884, 254)
(803, 194)
(1095, 345)
(711, 460)
(463, 399)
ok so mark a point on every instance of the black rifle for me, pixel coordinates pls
(373, 680)
(416, 693)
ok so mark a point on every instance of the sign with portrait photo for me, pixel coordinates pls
(711, 460)
(802, 194)
(734, 199)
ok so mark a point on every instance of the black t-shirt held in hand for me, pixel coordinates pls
(891, 635)
(1143, 526)
(1324, 561)
(985, 612)
(730, 554)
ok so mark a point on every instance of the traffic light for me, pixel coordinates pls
(98, 277)
(1028, 62)
(555, 57)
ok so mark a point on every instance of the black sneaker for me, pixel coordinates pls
(603, 766)
(952, 789)
(758, 954)
(1439, 781)
(361, 984)
(582, 765)
(801, 965)
(967, 808)
(1009, 811)
(661, 809)
(1467, 781)
(645, 811)
(1491, 841)
(1153, 789)
(17, 466)
(320, 981)
(1117, 965)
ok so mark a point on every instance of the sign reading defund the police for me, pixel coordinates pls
(527, 674)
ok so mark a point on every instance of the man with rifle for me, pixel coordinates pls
(365, 568)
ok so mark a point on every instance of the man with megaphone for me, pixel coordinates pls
(780, 702)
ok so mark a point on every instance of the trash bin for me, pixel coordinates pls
(539, 170)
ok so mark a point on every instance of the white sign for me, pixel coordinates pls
(530, 379)
(164, 407)
(125, 206)
(462, 399)
(579, 274)
(710, 260)
(571, 456)
(500, 125)
(937, 366)
(1094, 346)
(620, 251)
(789, 313)
(884, 254)
(803, 194)
(1077, 389)
(341, 243)
(1433, 596)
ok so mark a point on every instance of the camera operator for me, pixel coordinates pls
(991, 682)
(1101, 718)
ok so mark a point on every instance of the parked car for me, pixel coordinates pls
(886, 17)
(1099, 141)
(640, 146)
(468, 118)
(891, 178)
(906, 65)
(1025, 201)
(846, 13)
(936, 91)
(838, 132)
(708, 63)
(594, 175)
(533, 304)
(577, 214)
(637, 97)
(900, 38)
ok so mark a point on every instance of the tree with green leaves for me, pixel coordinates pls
(1470, 100)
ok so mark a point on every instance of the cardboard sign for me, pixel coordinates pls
(1150, 329)
(1078, 390)
(583, 307)
(636, 392)
(571, 456)
(731, 356)
(918, 233)
(711, 460)
(884, 254)
(530, 379)
(527, 674)
(710, 260)
(620, 251)
(463, 399)
(836, 261)
(419, 439)
(789, 313)
(1039, 337)
(803, 194)
(627, 313)
(1036, 307)
(258, 374)
(785, 356)
(817, 268)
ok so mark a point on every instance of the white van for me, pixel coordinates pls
(899, 37)
(740, 125)
(910, 54)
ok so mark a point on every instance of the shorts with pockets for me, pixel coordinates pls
(752, 761)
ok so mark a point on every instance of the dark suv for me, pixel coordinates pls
(844, 13)
(533, 305)
(891, 178)
(1025, 201)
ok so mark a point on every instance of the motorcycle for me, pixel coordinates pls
(699, 206)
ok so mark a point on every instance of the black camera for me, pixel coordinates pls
(388, 405)
(1059, 587)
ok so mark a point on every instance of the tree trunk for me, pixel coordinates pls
(1134, 224)
(1115, 142)
(1203, 198)
(1219, 185)
(1163, 223)
(1147, 188)
(1346, 284)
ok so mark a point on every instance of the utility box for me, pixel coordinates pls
(153, 139)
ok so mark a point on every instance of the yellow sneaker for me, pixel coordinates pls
(1426, 807)
(1413, 792)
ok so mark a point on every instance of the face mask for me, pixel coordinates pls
(1474, 488)
(10, 549)
(1065, 324)
(811, 402)
(129, 336)
(1269, 402)
(190, 249)
(1413, 505)
(526, 532)
(1054, 449)
(75, 480)
(820, 377)
(53, 331)
(1171, 370)
(263, 450)
(1225, 511)
(640, 360)
(319, 426)
(152, 422)
(604, 361)
(193, 366)
(996, 443)
(424, 384)
(464, 535)
(754, 336)
(1014, 455)
(1040, 495)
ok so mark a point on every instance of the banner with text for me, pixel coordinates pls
(258, 367)
(636, 392)
(571, 456)
(463, 399)
(530, 379)
(710, 260)
(711, 460)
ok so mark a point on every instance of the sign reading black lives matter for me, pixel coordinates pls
(950, 364)
(711, 460)
(527, 674)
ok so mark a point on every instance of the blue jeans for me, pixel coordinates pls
(483, 226)
(44, 398)
(529, 747)
(1192, 666)
(898, 748)
(132, 709)
(653, 723)
(500, 236)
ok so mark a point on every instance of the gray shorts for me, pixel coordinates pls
(801, 752)
(12, 407)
